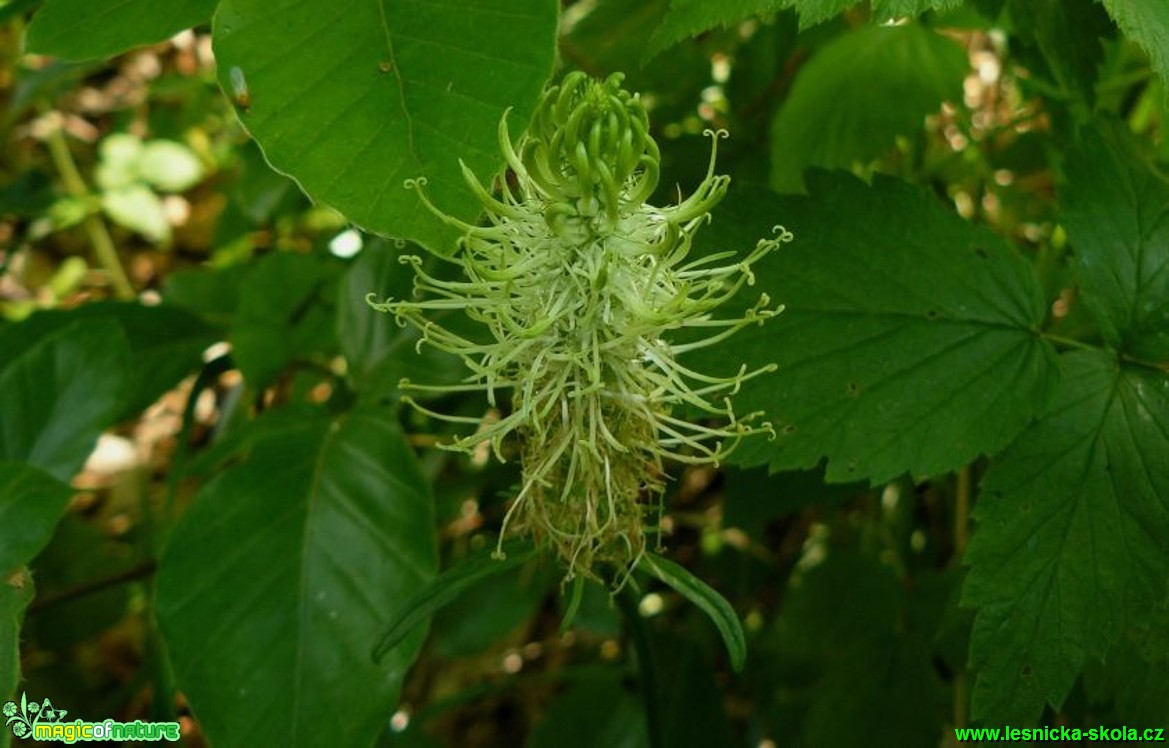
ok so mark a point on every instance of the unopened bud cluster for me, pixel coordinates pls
(582, 285)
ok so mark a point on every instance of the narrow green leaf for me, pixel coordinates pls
(381, 92)
(58, 391)
(445, 588)
(278, 578)
(1069, 547)
(1115, 208)
(857, 93)
(31, 502)
(1147, 23)
(714, 605)
(909, 340)
(82, 29)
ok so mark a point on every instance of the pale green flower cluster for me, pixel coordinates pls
(582, 283)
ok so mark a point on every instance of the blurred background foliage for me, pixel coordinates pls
(212, 310)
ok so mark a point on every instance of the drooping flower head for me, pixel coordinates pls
(583, 286)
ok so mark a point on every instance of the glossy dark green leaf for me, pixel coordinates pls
(380, 92)
(858, 93)
(443, 590)
(1069, 545)
(80, 29)
(909, 341)
(59, 391)
(278, 580)
(1115, 209)
(714, 605)
(31, 502)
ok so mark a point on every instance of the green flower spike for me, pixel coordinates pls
(581, 283)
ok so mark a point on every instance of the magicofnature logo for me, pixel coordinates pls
(43, 721)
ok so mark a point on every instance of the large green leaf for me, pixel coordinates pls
(858, 93)
(166, 344)
(687, 18)
(1067, 34)
(893, 9)
(83, 29)
(1116, 209)
(277, 582)
(58, 391)
(813, 12)
(1146, 21)
(909, 337)
(381, 91)
(31, 502)
(1072, 526)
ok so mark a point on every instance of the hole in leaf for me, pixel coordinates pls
(1026, 671)
(981, 253)
(932, 313)
(789, 429)
(853, 389)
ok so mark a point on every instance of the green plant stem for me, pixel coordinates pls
(1069, 342)
(139, 571)
(961, 534)
(99, 236)
(1080, 345)
(647, 670)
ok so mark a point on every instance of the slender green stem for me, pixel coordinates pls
(961, 511)
(627, 601)
(207, 377)
(1068, 342)
(140, 571)
(99, 236)
(961, 534)
(1127, 358)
